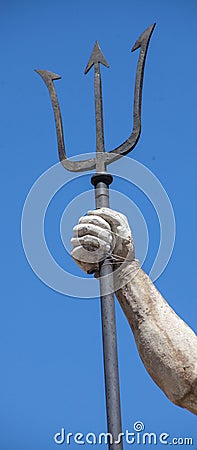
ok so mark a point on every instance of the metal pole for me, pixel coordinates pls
(110, 353)
(101, 180)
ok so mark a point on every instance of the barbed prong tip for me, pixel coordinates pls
(143, 37)
(96, 57)
(47, 74)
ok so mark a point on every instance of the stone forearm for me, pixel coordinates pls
(166, 344)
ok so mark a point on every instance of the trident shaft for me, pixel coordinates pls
(101, 181)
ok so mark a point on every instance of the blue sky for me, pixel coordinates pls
(52, 373)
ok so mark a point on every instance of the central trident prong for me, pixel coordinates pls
(95, 59)
(101, 180)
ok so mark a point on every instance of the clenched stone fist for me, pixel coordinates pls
(100, 233)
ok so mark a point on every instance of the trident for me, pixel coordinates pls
(101, 181)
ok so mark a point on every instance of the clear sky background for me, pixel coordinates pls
(51, 350)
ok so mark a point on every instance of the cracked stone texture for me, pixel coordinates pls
(166, 344)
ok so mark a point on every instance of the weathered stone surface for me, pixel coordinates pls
(166, 344)
(101, 232)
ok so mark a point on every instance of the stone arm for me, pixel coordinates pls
(166, 344)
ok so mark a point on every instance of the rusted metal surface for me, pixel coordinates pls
(95, 60)
(129, 144)
(101, 181)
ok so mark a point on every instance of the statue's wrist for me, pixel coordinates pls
(125, 272)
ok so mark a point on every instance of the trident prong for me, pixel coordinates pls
(95, 59)
(73, 166)
(101, 161)
(101, 180)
